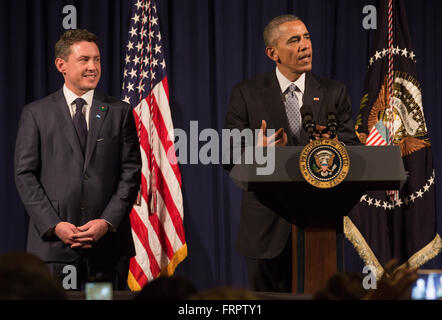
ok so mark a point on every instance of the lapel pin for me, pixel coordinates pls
(316, 99)
(98, 116)
(103, 108)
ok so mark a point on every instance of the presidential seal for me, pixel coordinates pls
(324, 163)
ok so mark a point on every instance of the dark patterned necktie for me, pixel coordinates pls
(80, 123)
(292, 110)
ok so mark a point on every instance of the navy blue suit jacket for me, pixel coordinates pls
(56, 182)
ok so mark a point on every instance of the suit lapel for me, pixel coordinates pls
(96, 118)
(67, 125)
(313, 95)
(273, 103)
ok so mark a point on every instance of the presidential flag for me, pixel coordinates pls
(157, 217)
(397, 224)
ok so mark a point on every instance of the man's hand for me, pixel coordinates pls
(325, 135)
(90, 232)
(279, 138)
(65, 231)
(393, 285)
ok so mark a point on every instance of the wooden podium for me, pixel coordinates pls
(317, 214)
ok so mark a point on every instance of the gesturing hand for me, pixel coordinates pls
(279, 138)
(90, 232)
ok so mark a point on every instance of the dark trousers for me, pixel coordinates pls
(86, 270)
(271, 275)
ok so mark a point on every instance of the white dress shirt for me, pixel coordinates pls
(284, 83)
(71, 97)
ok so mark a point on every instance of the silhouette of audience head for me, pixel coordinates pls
(342, 286)
(225, 293)
(23, 276)
(167, 288)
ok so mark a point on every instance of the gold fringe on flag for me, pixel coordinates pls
(169, 270)
(424, 255)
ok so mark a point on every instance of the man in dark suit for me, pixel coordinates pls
(273, 101)
(78, 170)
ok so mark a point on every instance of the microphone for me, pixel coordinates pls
(332, 122)
(307, 121)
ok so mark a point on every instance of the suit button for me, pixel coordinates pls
(85, 176)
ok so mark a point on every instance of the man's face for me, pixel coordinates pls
(292, 50)
(82, 70)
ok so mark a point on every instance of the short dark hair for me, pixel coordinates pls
(269, 30)
(70, 37)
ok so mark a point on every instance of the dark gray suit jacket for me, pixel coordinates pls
(57, 183)
(262, 233)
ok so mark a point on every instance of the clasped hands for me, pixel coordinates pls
(279, 138)
(83, 236)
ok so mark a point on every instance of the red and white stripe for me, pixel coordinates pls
(158, 236)
(375, 139)
(390, 72)
(393, 194)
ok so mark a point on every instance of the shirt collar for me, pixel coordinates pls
(284, 83)
(70, 96)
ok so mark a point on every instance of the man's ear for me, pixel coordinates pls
(61, 65)
(272, 53)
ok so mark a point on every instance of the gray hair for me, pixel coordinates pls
(273, 25)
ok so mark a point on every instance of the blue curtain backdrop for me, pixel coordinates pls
(209, 46)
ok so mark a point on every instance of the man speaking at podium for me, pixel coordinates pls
(77, 170)
(273, 101)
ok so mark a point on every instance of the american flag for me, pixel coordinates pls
(398, 224)
(375, 138)
(157, 218)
